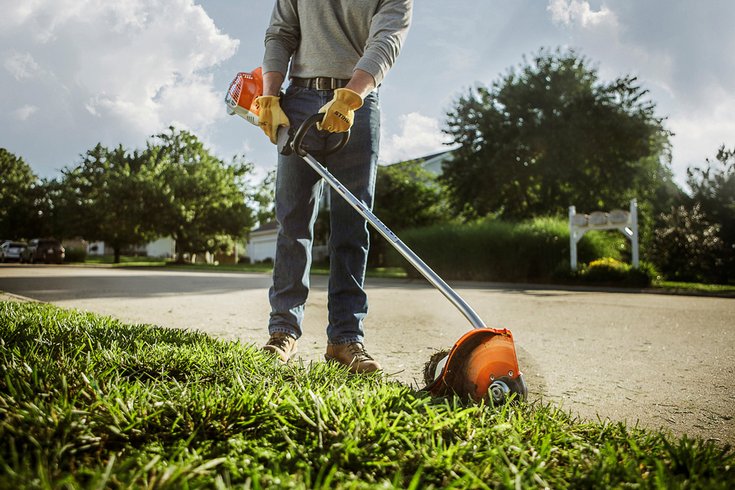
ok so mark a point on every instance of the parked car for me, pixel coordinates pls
(46, 250)
(11, 251)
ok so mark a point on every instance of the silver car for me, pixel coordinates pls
(11, 251)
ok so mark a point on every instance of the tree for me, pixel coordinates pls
(713, 188)
(409, 196)
(113, 196)
(54, 214)
(687, 247)
(552, 134)
(263, 197)
(203, 199)
(406, 196)
(17, 196)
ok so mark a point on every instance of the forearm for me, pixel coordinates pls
(272, 82)
(361, 82)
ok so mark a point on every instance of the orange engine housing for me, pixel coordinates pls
(242, 94)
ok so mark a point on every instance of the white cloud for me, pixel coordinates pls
(419, 136)
(578, 12)
(115, 72)
(22, 66)
(23, 113)
(699, 134)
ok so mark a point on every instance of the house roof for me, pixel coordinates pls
(266, 227)
(432, 162)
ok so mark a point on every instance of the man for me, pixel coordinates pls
(339, 52)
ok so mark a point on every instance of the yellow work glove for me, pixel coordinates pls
(339, 113)
(271, 116)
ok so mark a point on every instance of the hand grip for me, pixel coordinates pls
(298, 137)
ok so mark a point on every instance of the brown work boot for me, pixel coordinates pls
(282, 345)
(354, 356)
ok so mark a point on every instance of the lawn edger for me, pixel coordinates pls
(483, 363)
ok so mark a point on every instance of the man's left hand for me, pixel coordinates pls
(339, 113)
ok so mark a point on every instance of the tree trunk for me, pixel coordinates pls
(116, 250)
(179, 254)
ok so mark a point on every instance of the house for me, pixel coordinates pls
(262, 243)
(164, 247)
(433, 163)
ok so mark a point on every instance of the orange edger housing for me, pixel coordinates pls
(481, 364)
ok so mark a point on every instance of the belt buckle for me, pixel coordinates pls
(323, 83)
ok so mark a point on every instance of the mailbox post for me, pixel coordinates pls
(624, 221)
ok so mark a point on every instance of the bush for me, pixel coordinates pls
(75, 254)
(688, 247)
(713, 188)
(496, 250)
(609, 271)
(605, 269)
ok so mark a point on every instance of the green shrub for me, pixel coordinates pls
(609, 271)
(651, 271)
(606, 268)
(687, 246)
(496, 250)
(75, 254)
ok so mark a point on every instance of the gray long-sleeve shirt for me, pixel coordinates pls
(332, 38)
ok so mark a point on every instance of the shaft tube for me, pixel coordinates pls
(401, 247)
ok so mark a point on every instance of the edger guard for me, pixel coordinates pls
(482, 365)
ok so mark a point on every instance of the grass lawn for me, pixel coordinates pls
(694, 287)
(89, 402)
(125, 261)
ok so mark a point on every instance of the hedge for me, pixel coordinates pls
(496, 250)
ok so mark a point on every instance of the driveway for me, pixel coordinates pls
(660, 360)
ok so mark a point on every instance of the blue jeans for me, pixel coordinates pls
(298, 193)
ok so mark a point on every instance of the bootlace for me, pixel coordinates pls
(357, 351)
(280, 341)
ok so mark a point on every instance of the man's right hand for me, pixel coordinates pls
(271, 116)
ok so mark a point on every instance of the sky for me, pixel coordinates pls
(77, 72)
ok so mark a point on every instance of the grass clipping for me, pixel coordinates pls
(86, 401)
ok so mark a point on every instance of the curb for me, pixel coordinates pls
(6, 296)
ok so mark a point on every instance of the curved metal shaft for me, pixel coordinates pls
(406, 252)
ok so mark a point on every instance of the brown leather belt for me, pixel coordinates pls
(319, 83)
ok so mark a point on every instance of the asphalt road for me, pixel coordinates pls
(661, 361)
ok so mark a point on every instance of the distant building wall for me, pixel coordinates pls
(163, 247)
(96, 248)
(262, 242)
(262, 246)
